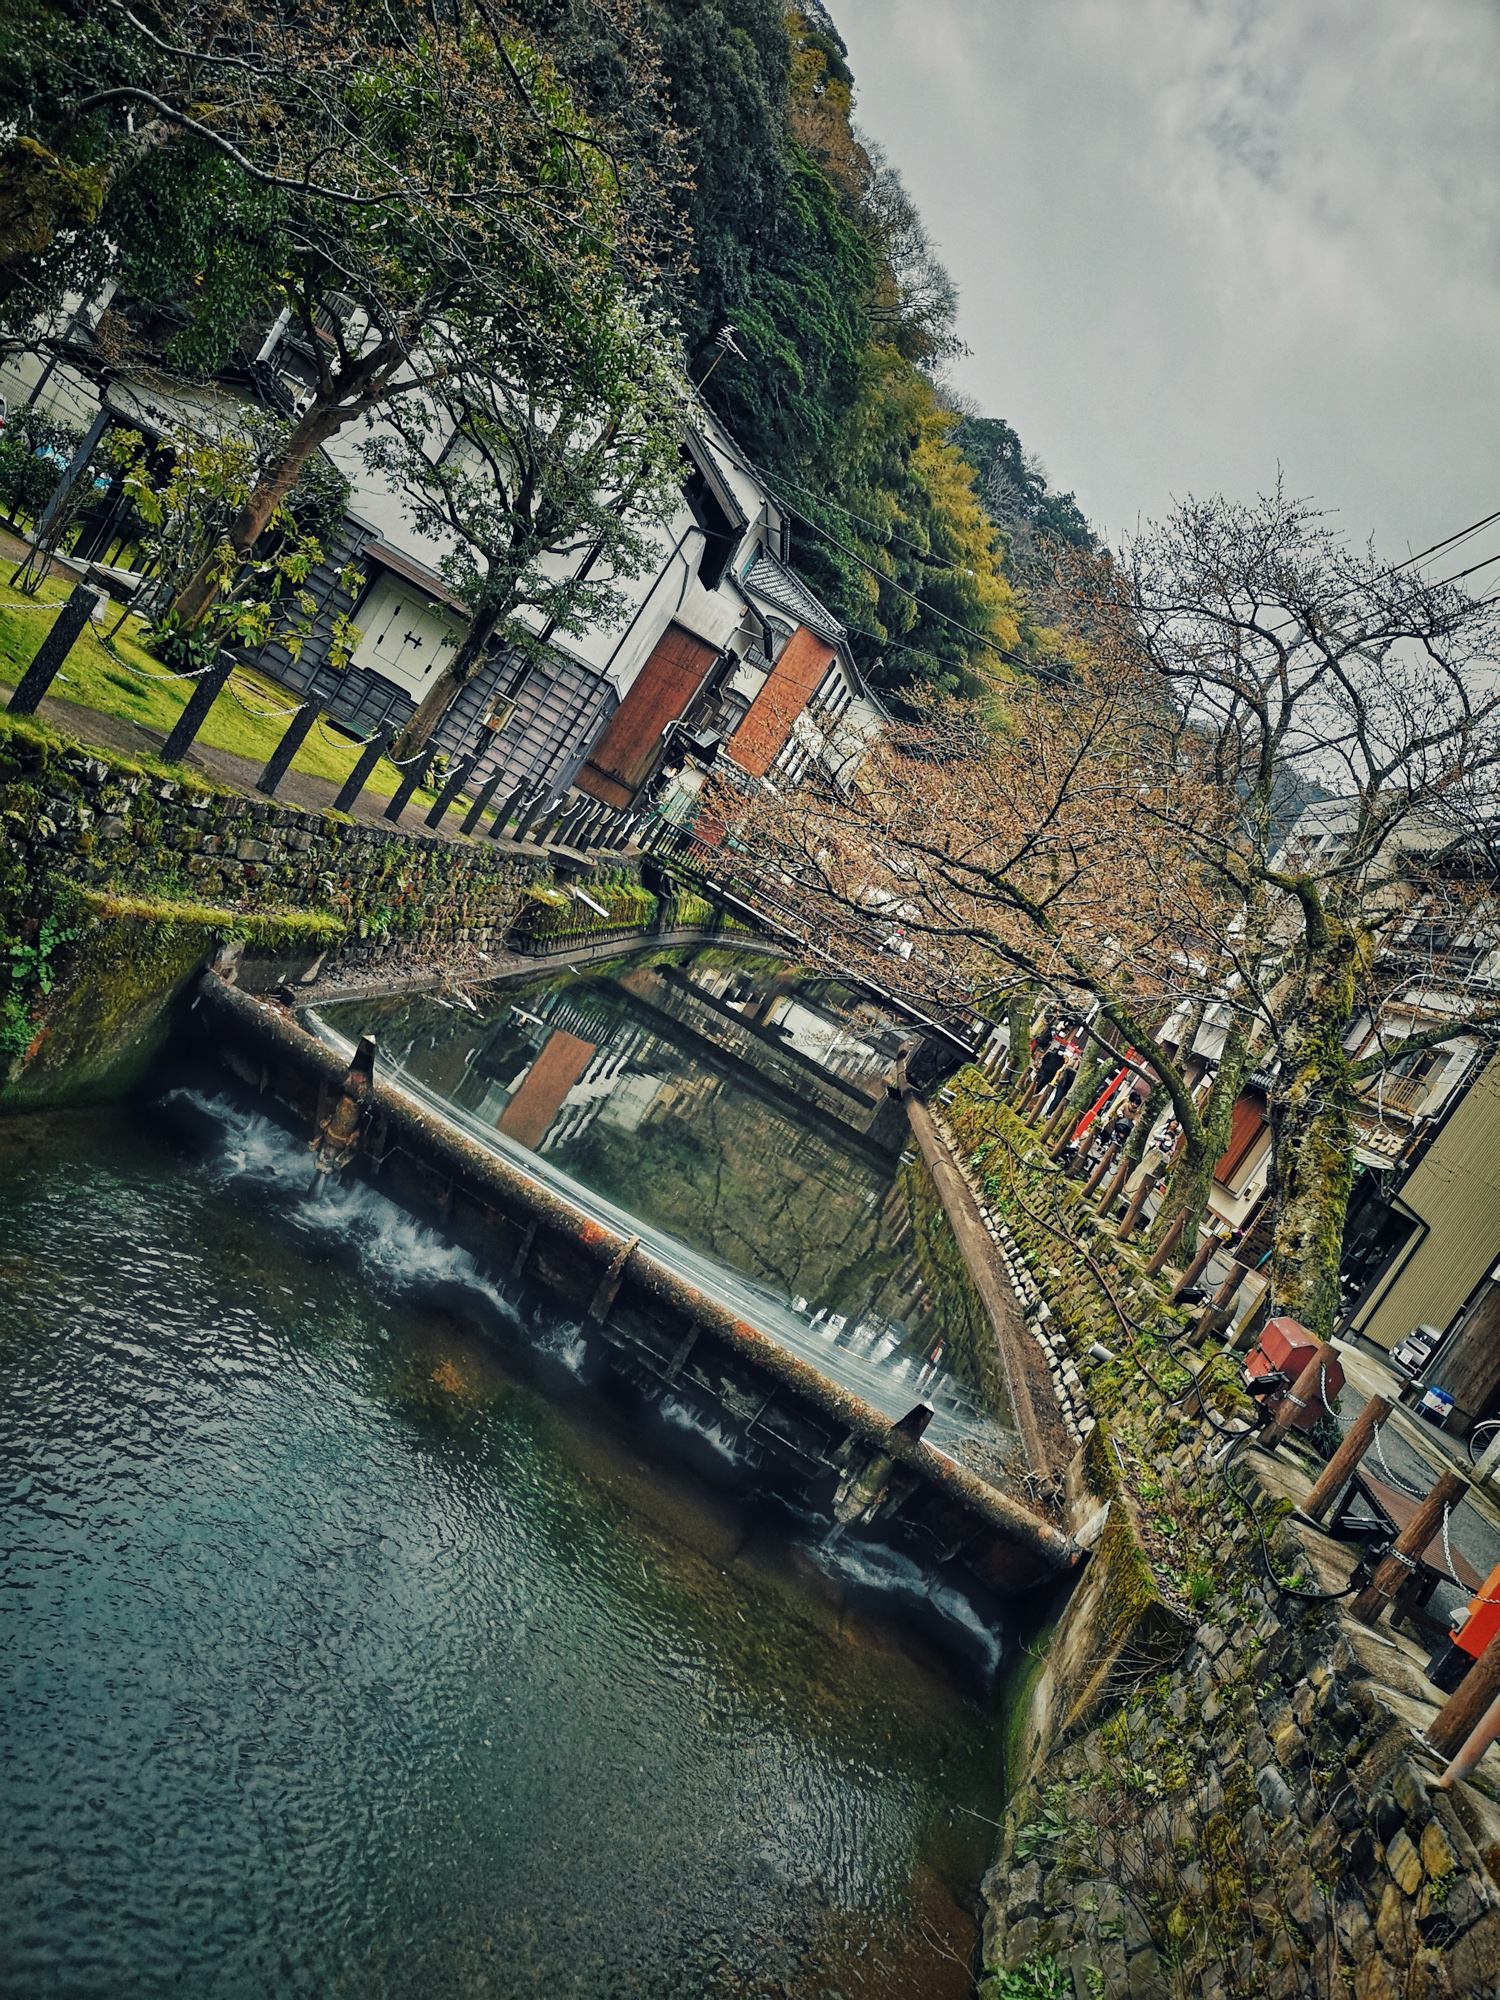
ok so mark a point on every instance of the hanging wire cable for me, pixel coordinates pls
(1028, 665)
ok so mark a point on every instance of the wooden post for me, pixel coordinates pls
(1106, 1161)
(545, 827)
(1304, 1394)
(413, 775)
(1398, 1566)
(1167, 1245)
(337, 1138)
(62, 636)
(1337, 1472)
(1117, 1181)
(527, 812)
(509, 806)
(487, 791)
(456, 782)
(1467, 1705)
(1198, 1266)
(185, 729)
(359, 777)
(1137, 1203)
(1483, 1735)
(1055, 1123)
(292, 739)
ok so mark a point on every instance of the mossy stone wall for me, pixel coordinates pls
(1248, 1809)
(117, 884)
(115, 969)
(102, 823)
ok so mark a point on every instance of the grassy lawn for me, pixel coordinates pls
(116, 681)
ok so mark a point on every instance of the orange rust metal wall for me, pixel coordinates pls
(621, 760)
(804, 660)
(562, 1061)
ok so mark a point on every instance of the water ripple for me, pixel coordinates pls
(326, 1664)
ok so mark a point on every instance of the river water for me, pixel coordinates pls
(733, 1110)
(342, 1653)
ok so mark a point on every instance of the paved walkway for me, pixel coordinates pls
(298, 788)
(1044, 1437)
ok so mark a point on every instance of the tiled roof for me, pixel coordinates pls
(775, 583)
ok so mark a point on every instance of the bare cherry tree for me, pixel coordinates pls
(1124, 829)
(1041, 853)
(1295, 667)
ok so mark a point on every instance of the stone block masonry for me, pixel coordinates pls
(101, 823)
(1252, 1810)
(1256, 1818)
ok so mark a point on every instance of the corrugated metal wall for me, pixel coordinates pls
(560, 707)
(804, 661)
(1456, 1192)
(624, 754)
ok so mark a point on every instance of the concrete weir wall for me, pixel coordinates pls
(653, 1321)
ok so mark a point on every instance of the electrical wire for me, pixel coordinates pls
(1028, 665)
(889, 534)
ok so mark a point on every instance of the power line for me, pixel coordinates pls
(980, 638)
(889, 534)
(1027, 665)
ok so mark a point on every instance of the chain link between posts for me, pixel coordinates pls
(1415, 1492)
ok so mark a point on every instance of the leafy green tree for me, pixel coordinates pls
(185, 490)
(544, 479)
(34, 449)
(377, 171)
(1013, 486)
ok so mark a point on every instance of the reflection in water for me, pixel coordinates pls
(734, 1103)
(334, 1660)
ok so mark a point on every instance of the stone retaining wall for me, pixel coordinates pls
(1256, 1812)
(103, 823)
(1259, 1817)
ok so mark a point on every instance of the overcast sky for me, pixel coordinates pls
(1193, 240)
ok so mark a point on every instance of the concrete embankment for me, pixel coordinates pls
(631, 1300)
(1221, 1784)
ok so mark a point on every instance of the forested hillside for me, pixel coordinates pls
(576, 159)
(815, 316)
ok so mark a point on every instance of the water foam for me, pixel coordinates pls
(879, 1567)
(391, 1247)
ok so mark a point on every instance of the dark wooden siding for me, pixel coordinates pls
(560, 706)
(310, 671)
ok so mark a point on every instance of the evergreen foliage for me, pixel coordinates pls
(703, 150)
(815, 317)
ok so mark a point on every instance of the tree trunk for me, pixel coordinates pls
(461, 669)
(1151, 1110)
(1018, 1021)
(42, 194)
(1192, 1177)
(1093, 1073)
(324, 420)
(1314, 1146)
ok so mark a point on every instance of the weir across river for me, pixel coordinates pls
(839, 1442)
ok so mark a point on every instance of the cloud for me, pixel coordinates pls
(1198, 238)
